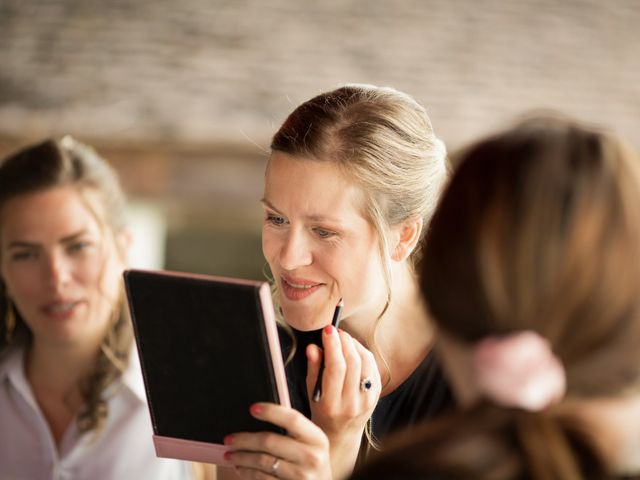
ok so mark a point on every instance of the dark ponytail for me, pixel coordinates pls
(537, 231)
(489, 442)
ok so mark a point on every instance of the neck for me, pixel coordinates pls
(55, 373)
(57, 369)
(616, 425)
(404, 335)
(457, 363)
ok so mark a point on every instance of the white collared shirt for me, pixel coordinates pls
(122, 449)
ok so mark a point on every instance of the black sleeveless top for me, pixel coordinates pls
(424, 394)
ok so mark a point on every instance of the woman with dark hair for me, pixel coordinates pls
(532, 274)
(72, 403)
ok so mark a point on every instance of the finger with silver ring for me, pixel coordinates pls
(366, 384)
(275, 465)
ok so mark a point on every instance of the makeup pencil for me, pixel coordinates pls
(317, 390)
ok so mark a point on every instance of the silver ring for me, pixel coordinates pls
(275, 464)
(366, 384)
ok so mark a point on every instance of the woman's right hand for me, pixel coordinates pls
(344, 406)
(301, 454)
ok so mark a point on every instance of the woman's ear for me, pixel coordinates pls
(406, 237)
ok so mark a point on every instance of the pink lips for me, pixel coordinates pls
(298, 288)
(60, 309)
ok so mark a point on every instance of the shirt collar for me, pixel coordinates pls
(11, 367)
(12, 370)
(11, 361)
(5, 359)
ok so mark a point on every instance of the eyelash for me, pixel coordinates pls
(271, 218)
(324, 233)
(78, 246)
(73, 248)
(23, 256)
(278, 221)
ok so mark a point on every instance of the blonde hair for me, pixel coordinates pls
(384, 141)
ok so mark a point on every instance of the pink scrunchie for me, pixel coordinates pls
(519, 370)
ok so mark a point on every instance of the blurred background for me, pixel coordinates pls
(183, 97)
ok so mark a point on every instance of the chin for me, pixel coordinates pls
(305, 328)
(300, 322)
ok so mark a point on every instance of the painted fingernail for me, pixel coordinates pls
(228, 440)
(227, 455)
(328, 329)
(255, 409)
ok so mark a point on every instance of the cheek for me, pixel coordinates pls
(24, 287)
(19, 282)
(101, 276)
(111, 280)
(366, 278)
(89, 273)
(270, 246)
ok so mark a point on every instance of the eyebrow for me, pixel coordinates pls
(67, 239)
(313, 218)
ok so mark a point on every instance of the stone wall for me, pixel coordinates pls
(206, 70)
(183, 96)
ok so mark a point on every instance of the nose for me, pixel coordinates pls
(57, 271)
(295, 251)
